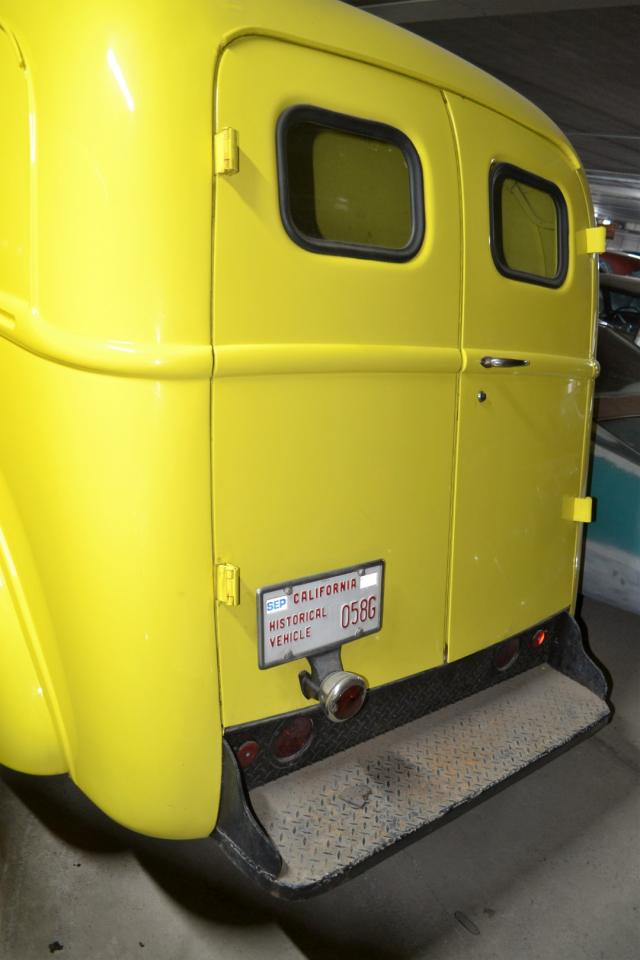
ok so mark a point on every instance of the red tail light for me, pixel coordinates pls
(292, 739)
(247, 753)
(538, 638)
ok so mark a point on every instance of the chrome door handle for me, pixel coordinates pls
(503, 362)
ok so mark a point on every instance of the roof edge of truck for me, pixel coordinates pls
(327, 25)
(368, 38)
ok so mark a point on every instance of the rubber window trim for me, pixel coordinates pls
(503, 171)
(365, 128)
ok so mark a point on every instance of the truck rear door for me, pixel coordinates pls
(335, 331)
(526, 387)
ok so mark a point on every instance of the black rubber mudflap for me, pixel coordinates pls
(340, 815)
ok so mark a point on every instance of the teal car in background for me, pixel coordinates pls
(611, 569)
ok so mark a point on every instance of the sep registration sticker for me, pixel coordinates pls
(298, 618)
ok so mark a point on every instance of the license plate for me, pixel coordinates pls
(298, 618)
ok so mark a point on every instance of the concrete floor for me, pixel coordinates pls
(546, 870)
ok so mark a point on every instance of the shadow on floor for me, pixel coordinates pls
(490, 848)
(407, 905)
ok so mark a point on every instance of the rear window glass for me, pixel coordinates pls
(349, 186)
(528, 226)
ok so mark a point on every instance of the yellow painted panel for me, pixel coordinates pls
(109, 470)
(111, 479)
(502, 313)
(519, 458)
(520, 451)
(265, 359)
(33, 728)
(334, 381)
(15, 205)
(25, 326)
(363, 302)
(321, 472)
(117, 194)
(28, 740)
(121, 102)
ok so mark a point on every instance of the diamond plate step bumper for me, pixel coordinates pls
(339, 815)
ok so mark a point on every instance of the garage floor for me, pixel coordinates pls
(549, 868)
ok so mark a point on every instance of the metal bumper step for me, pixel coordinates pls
(330, 819)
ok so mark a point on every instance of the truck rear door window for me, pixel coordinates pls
(528, 226)
(349, 187)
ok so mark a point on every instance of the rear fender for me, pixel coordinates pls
(29, 741)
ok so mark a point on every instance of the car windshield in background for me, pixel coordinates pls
(617, 408)
(619, 304)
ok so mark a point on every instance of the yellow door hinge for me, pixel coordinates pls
(579, 509)
(227, 584)
(592, 240)
(226, 152)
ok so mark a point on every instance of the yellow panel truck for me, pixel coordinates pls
(296, 371)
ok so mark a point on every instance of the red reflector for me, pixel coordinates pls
(247, 753)
(539, 638)
(506, 654)
(292, 739)
(349, 702)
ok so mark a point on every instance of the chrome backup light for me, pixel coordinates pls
(340, 692)
(342, 695)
